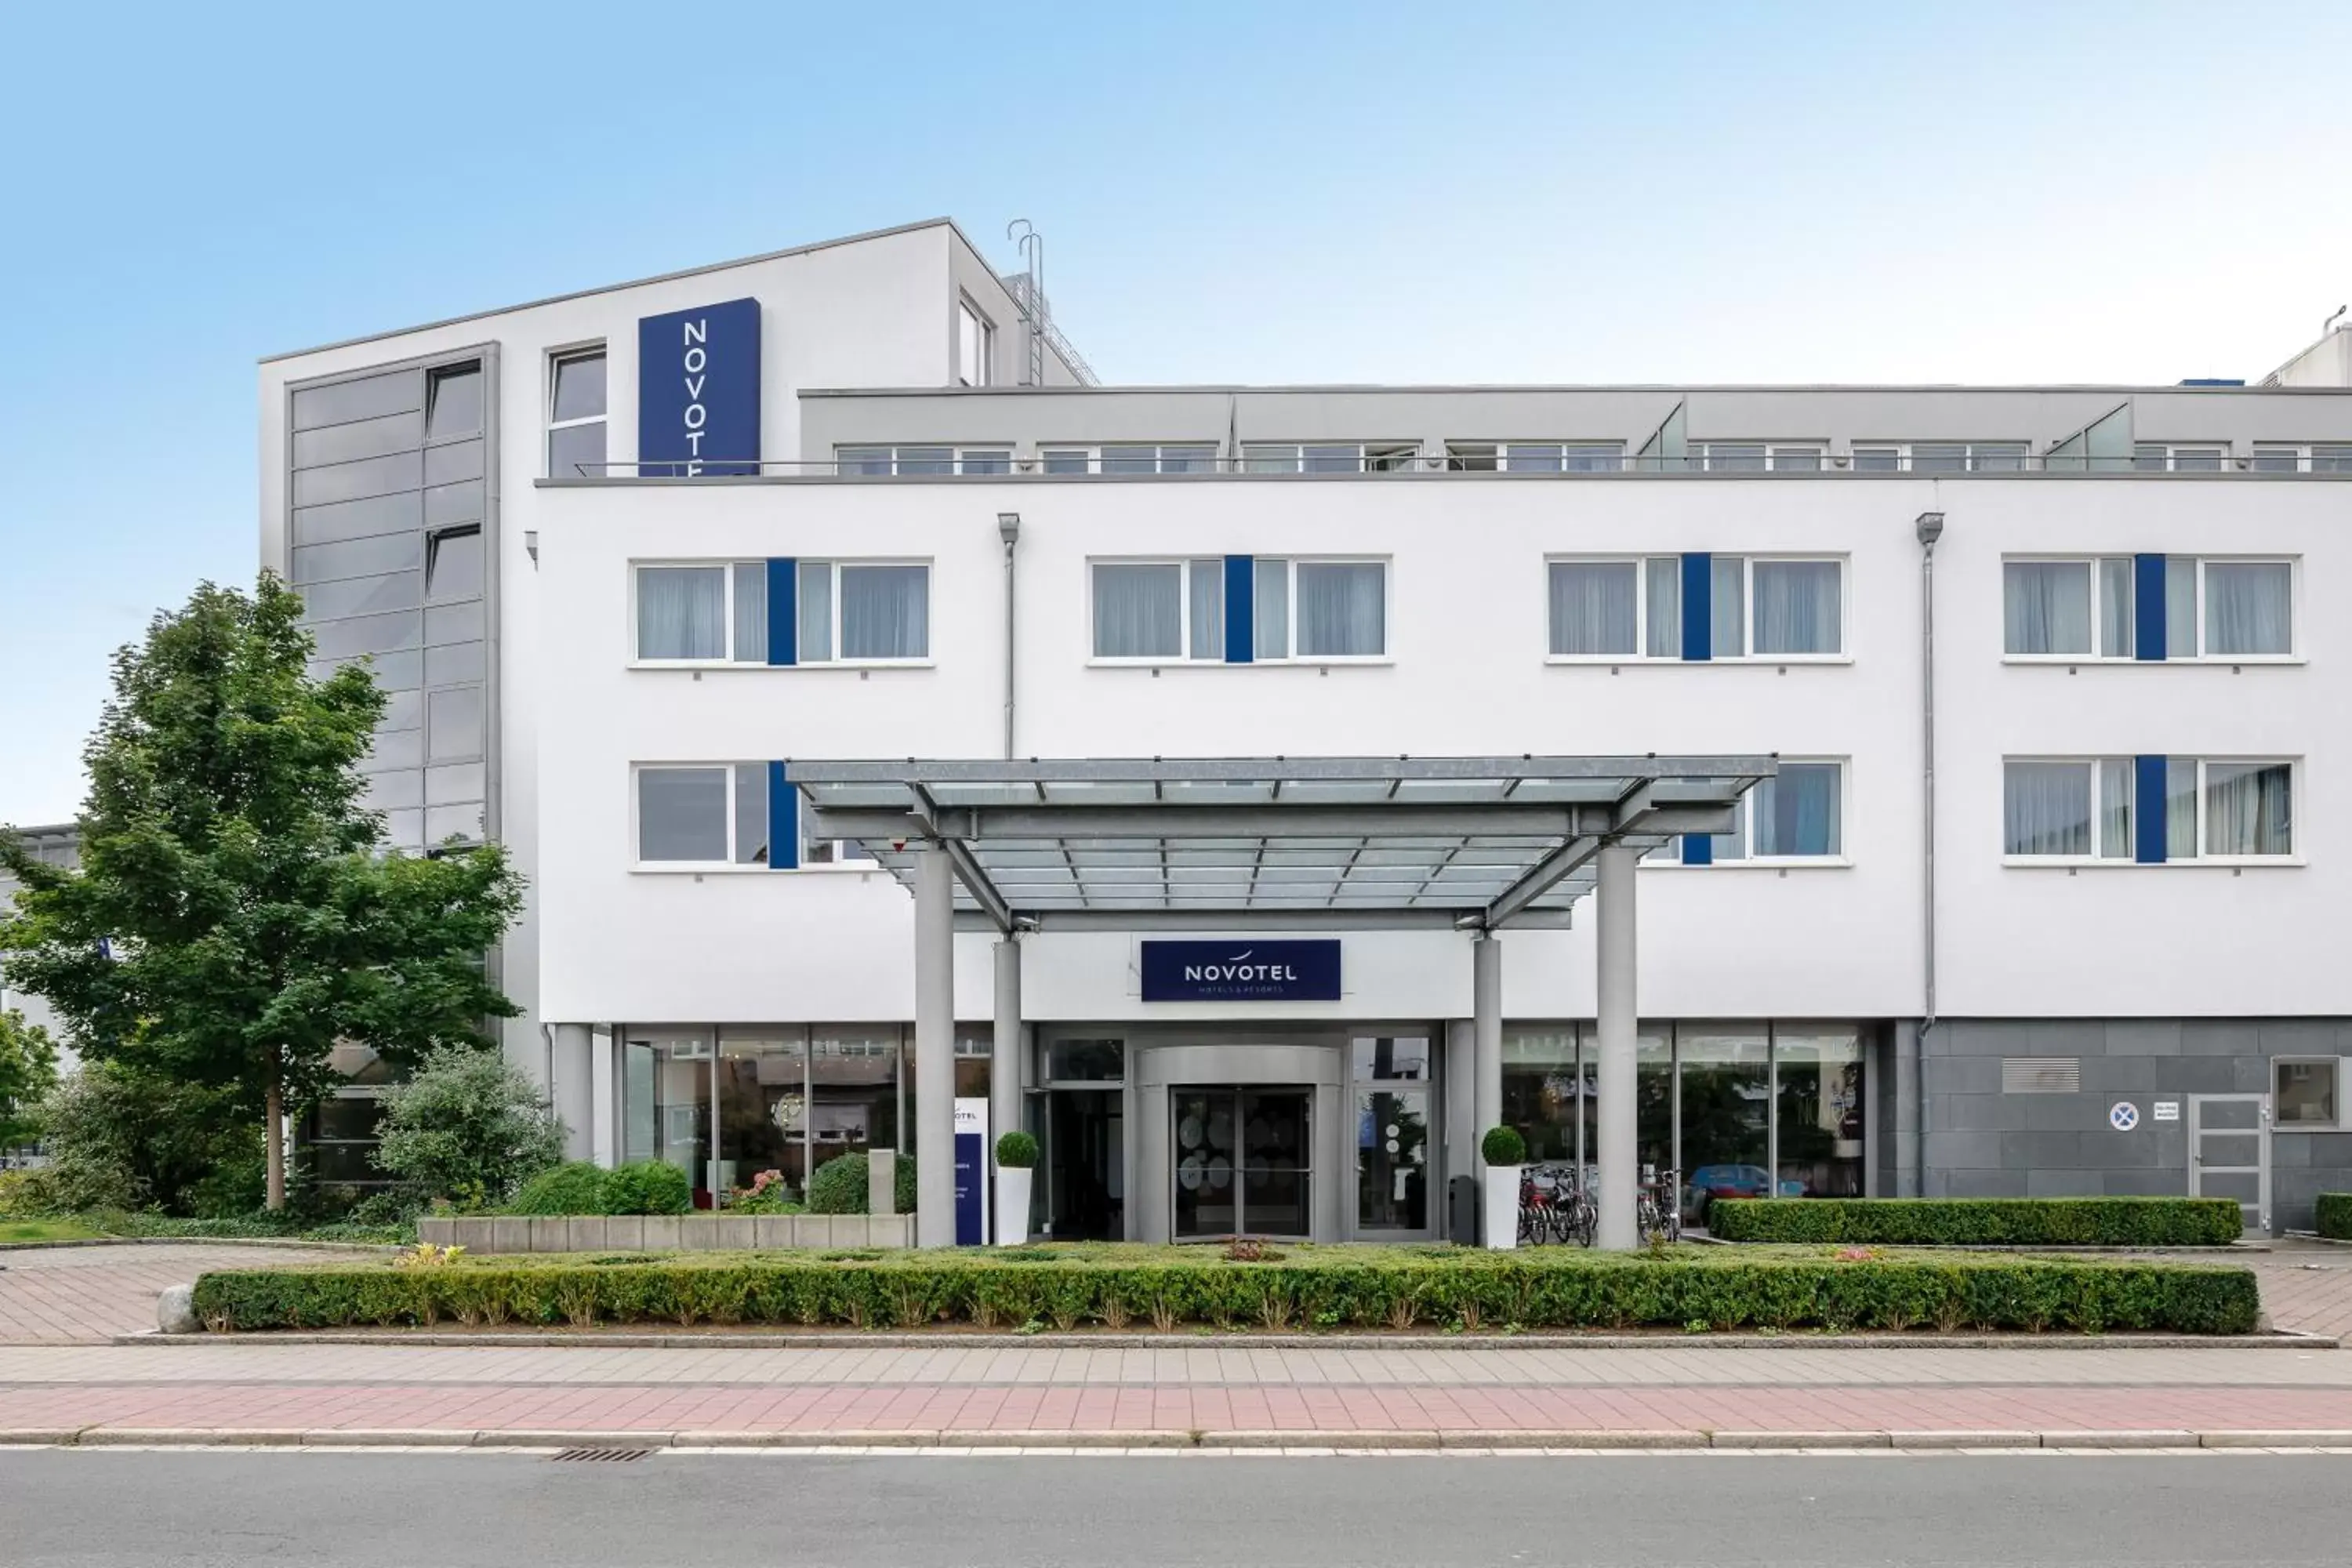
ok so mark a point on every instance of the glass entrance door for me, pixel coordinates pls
(1242, 1160)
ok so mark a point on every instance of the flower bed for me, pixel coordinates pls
(1692, 1289)
(1980, 1222)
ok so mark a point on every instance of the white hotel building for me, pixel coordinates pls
(628, 558)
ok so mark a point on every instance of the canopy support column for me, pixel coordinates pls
(1004, 1067)
(935, 1213)
(1486, 1029)
(1619, 1155)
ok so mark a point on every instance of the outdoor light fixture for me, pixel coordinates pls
(1930, 527)
(1008, 526)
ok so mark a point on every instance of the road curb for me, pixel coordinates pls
(847, 1339)
(1216, 1439)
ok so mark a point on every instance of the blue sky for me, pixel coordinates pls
(2064, 191)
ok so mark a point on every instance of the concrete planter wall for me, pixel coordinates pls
(666, 1233)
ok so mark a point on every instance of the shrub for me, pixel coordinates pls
(469, 1128)
(1717, 1290)
(768, 1194)
(647, 1187)
(1502, 1146)
(2334, 1215)
(839, 1186)
(576, 1187)
(27, 1195)
(1016, 1150)
(28, 1072)
(118, 1138)
(1981, 1222)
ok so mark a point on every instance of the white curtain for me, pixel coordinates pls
(1271, 611)
(1593, 607)
(1797, 606)
(1664, 590)
(1138, 611)
(1797, 811)
(2116, 789)
(2046, 606)
(2115, 594)
(1208, 610)
(2248, 808)
(2249, 608)
(750, 813)
(752, 612)
(1727, 627)
(2180, 808)
(681, 612)
(2046, 808)
(1342, 608)
(682, 813)
(2180, 606)
(886, 612)
(816, 611)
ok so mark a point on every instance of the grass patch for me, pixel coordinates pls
(46, 1230)
(1125, 1285)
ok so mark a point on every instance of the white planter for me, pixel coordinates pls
(1502, 1215)
(1012, 1205)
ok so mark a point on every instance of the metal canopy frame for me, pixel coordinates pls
(1270, 842)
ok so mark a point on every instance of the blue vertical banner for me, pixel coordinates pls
(2152, 820)
(1698, 606)
(2147, 608)
(1241, 608)
(699, 392)
(972, 1172)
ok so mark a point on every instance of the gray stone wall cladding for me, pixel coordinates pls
(666, 1233)
(1983, 1143)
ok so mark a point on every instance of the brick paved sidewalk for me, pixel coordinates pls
(77, 1295)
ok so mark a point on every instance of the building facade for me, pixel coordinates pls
(2038, 901)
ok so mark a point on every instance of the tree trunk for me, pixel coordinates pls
(273, 1100)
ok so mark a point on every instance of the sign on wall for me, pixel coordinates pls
(1241, 971)
(698, 391)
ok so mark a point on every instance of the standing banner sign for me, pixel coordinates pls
(972, 1172)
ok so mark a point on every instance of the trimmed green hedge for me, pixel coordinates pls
(1681, 1290)
(2335, 1216)
(841, 1186)
(1980, 1222)
(584, 1188)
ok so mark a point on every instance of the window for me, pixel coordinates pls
(2147, 809)
(2199, 458)
(1798, 816)
(2213, 608)
(575, 415)
(453, 403)
(975, 347)
(1535, 456)
(922, 462)
(1328, 457)
(2320, 458)
(1178, 610)
(1940, 457)
(713, 815)
(837, 852)
(1617, 609)
(1172, 457)
(453, 564)
(1757, 457)
(1756, 606)
(860, 612)
(2305, 1092)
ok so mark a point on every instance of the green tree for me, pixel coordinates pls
(234, 917)
(28, 1070)
(468, 1127)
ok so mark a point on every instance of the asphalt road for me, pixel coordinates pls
(96, 1507)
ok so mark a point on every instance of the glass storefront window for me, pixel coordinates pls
(1727, 1116)
(1086, 1061)
(674, 1066)
(1384, 1056)
(1392, 1157)
(975, 1047)
(1818, 1111)
(762, 1106)
(1540, 1091)
(853, 1089)
(1653, 1095)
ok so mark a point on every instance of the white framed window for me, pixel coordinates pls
(975, 346)
(1535, 456)
(700, 816)
(1327, 457)
(1940, 457)
(1606, 608)
(1776, 608)
(2089, 810)
(863, 612)
(2217, 609)
(2180, 457)
(575, 414)
(2308, 1092)
(846, 612)
(1131, 458)
(832, 854)
(927, 461)
(1757, 457)
(1797, 818)
(1315, 609)
(2296, 458)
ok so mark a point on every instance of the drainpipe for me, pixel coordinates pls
(1008, 529)
(1929, 528)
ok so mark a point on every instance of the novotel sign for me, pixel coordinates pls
(699, 392)
(1241, 971)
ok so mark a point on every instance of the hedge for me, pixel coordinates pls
(841, 1186)
(2335, 1216)
(583, 1187)
(1477, 1290)
(1981, 1222)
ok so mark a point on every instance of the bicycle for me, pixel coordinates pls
(1657, 1209)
